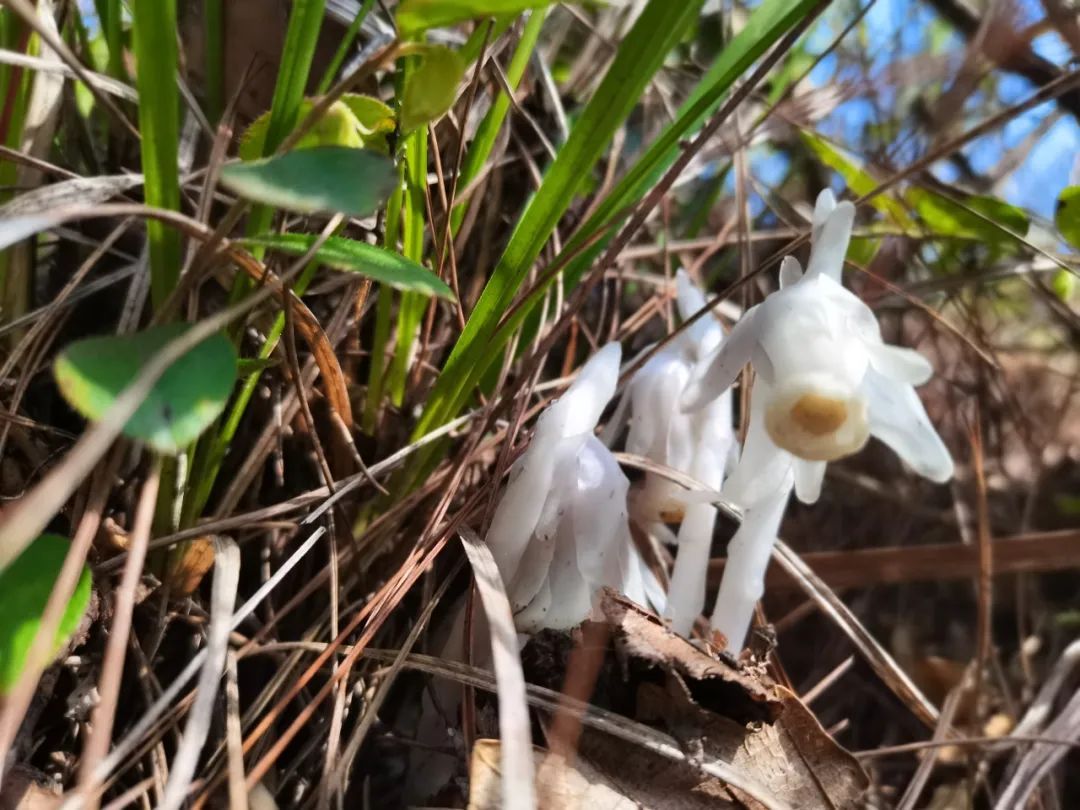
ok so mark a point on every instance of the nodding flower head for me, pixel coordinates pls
(560, 531)
(827, 380)
(696, 444)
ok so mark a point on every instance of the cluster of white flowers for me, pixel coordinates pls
(560, 532)
(824, 383)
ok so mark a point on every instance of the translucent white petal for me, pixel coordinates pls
(715, 375)
(900, 363)
(520, 507)
(599, 515)
(898, 418)
(763, 467)
(580, 407)
(790, 271)
(827, 255)
(706, 333)
(808, 478)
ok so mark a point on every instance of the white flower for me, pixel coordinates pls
(560, 532)
(826, 380)
(699, 444)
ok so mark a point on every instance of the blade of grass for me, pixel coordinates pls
(659, 27)
(305, 20)
(411, 308)
(384, 307)
(16, 84)
(110, 13)
(154, 39)
(343, 49)
(488, 131)
(764, 28)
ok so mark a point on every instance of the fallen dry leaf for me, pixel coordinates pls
(745, 694)
(723, 712)
(579, 786)
(187, 566)
(792, 757)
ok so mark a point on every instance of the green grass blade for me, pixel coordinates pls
(488, 131)
(384, 310)
(657, 30)
(302, 35)
(154, 37)
(763, 29)
(343, 48)
(415, 16)
(413, 219)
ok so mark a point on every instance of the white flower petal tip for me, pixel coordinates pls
(705, 334)
(831, 243)
(816, 417)
(790, 271)
(579, 409)
(824, 205)
(809, 476)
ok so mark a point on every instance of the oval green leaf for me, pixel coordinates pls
(323, 178)
(1067, 215)
(430, 88)
(376, 263)
(414, 16)
(26, 585)
(189, 396)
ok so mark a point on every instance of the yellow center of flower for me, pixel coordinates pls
(819, 415)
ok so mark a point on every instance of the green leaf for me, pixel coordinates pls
(376, 263)
(26, 585)
(856, 177)
(1067, 215)
(324, 178)
(353, 121)
(373, 117)
(431, 87)
(414, 16)
(985, 219)
(1064, 285)
(91, 373)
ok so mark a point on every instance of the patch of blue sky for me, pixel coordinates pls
(1051, 47)
(900, 29)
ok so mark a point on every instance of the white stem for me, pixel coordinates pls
(748, 558)
(686, 596)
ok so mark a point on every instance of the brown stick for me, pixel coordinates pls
(1036, 552)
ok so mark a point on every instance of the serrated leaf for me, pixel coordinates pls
(187, 398)
(376, 263)
(1067, 215)
(431, 87)
(414, 16)
(26, 585)
(324, 178)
